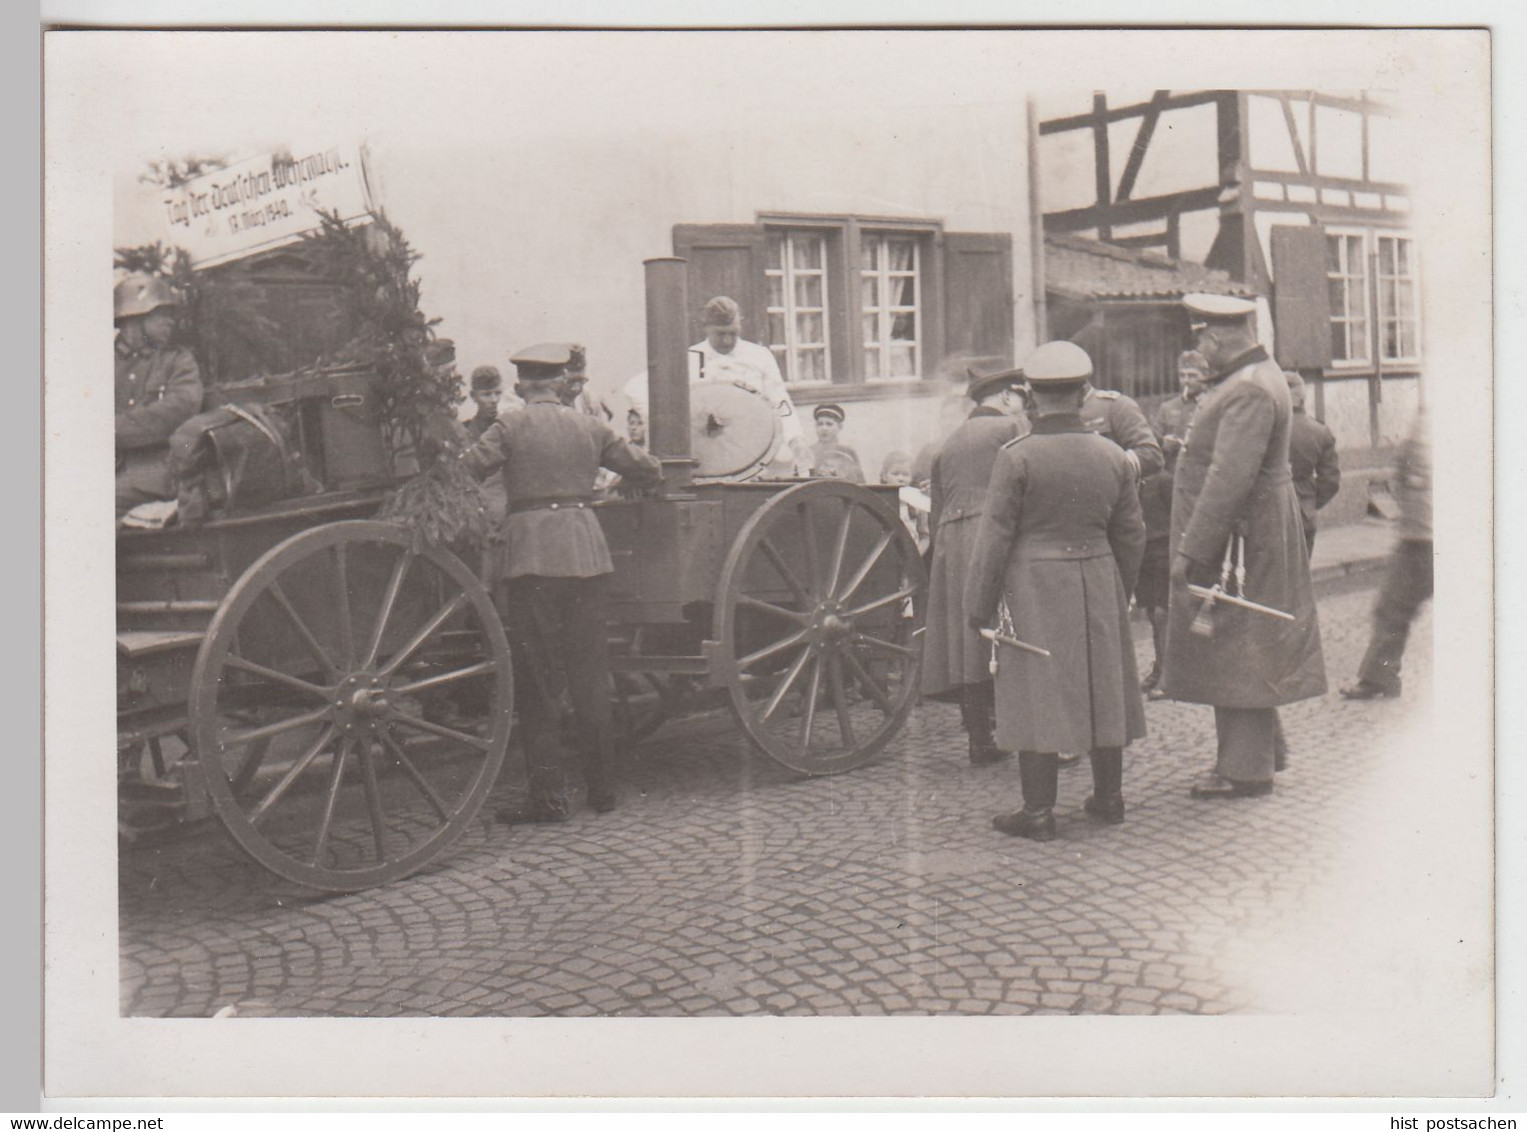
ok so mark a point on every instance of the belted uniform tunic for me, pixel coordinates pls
(157, 390)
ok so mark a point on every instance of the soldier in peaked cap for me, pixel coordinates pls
(1234, 505)
(830, 457)
(158, 388)
(1059, 543)
(554, 563)
(955, 659)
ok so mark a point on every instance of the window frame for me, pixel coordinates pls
(845, 235)
(1413, 277)
(885, 312)
(786, 352)
(1366, 361)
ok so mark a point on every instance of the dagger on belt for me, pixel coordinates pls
(1232, 572)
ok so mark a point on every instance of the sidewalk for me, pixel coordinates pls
(1352, 549)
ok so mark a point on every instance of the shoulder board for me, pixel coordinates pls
(1106, 394)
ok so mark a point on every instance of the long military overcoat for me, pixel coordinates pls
(1233, 477)
(1060, 541)
(953, 653)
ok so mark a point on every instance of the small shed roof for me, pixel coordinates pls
(1083, 269)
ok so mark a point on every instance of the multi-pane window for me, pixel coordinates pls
(889, 288)
(1397, 298)
(797, 303)
(1347, 278)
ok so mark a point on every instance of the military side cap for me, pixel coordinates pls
(486, 377)
(440, 352)
(546, 360)
(987, 375)
(831, 411)
(1204, 309)
(1057, 363)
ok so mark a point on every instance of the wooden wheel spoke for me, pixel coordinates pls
(881, 602)
(250, 766)
(424, 634)
(270, 730)
(863, 572)
(786, 684)
(366, 754)
(876, 644)
(411, 772)
(840, 700)
(782, 645)
(840, 548)
(389, 599)
(778, 610)
(444, 678)
(291, 775)
(813, 693)
(331, 800)
(809, 542)
(342, 605)
(879, 694)
(276, 677)
(426, 726)
(320, 654)
(778, 560)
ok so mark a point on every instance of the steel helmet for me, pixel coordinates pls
(138, 293)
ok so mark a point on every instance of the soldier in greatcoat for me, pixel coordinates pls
(1059, 544)
(1233, 503)
(555, 560)
(1312, 459)
(955, 659)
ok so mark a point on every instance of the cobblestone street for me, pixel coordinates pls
(724, 885)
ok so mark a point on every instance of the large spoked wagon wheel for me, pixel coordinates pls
(351, 705)
(816, 626)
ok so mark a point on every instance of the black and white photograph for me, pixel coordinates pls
(769, 562)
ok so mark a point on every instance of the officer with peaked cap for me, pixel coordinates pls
(158, 388)
(1235, 514)
(955, 659)
(1056, 553)
(554, 563)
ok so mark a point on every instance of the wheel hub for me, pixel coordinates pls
(829, 625)
(360, 701)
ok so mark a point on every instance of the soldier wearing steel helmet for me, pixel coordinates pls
(1235, 515)
(1059, 545)
(158, 388)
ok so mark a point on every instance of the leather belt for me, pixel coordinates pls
(551, 503)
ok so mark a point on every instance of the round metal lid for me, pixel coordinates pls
(734, 430)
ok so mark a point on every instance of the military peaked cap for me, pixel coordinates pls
(831, 411)
(548, 360)
(1204, 309)
(1057, 363)
(987, 375)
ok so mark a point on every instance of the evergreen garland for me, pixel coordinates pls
(416, 402)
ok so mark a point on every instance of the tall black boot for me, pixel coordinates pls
(978, 711)
(1107, 800)
(1037, 773)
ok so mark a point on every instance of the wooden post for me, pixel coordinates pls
(668, 371)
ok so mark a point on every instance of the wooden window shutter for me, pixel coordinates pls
(725, 259)
(1301, 297)
(978, 293)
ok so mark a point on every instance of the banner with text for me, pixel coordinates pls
(265, 202)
